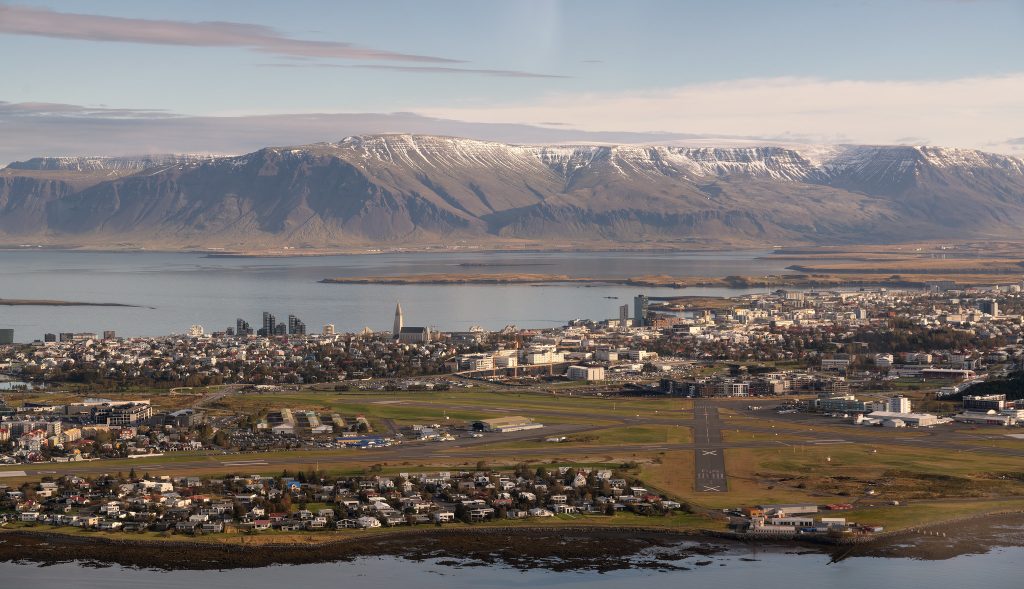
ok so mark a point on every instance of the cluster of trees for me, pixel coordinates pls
(1012, 387)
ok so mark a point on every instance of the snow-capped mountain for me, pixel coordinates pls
(426, 189)
(104, 164)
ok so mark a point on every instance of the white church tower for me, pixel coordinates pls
(398, 320)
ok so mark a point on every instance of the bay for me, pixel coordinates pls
(175, 290)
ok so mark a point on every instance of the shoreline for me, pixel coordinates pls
(299, 252)
(599, 547)
(593, 547)
(729, 282)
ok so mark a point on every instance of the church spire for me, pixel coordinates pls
(398, 320)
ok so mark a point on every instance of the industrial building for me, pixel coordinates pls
(512, 423)
(989, 417)
(984, 403)
(585, 373)
(907, 419)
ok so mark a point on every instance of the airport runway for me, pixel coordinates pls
(708, 456)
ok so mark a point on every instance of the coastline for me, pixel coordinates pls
(371, 249)
(556, 547)
(731, 282)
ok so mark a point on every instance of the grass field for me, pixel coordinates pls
(739, 435)
(461, 406)
(843, 474)
(921, 513)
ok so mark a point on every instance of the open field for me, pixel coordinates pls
(422, 407)
(654, 435)
(920, 513)
(738, 435)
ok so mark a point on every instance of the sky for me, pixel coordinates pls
(113, 77)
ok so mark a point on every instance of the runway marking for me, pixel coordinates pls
(246, 463)
(13, 473)
(709, 452)
(711, 488)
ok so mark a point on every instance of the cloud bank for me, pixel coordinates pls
(42, 129)
(41, 22)
(980, 112)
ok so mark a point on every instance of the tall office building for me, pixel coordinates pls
(623, 317)
(242, 327)
(397, 329)
(989, 307)
(296, 326)
(269, 323)
(109, 334)
(898, 404)
(6, 336)
(640, 303)
(328, 329)
(50, 337)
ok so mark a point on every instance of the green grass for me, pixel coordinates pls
(462, 406)
(918, 514)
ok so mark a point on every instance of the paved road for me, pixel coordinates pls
(708, 456)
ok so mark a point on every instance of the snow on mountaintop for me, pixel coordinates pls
(106, 164)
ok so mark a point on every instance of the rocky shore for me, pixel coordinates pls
(552, 548)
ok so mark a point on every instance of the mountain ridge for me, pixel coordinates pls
(398, 189)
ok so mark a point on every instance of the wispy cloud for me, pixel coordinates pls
(52, 109)
(418, 69)
(41, 22)
(977, 112)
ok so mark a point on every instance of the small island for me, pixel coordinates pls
(55, 303)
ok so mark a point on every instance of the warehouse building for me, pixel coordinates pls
(513, 423)
(989, 417)
(908, 419)
(585, 373)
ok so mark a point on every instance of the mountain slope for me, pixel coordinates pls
(403, 189)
